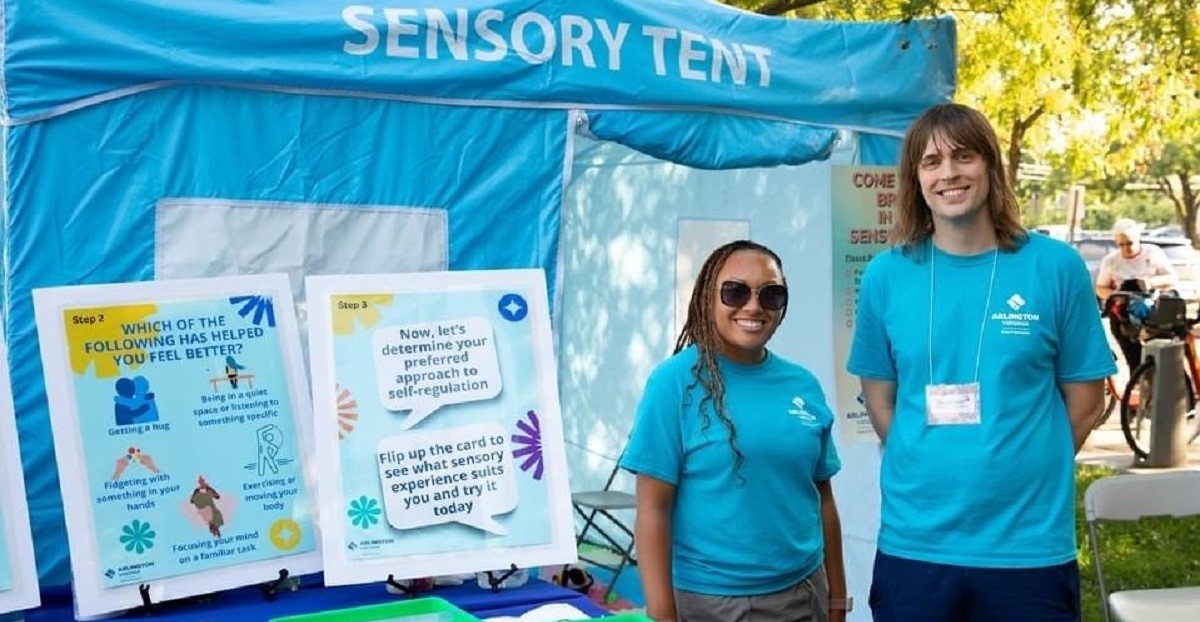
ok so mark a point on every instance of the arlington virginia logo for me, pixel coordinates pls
(1016, 322)
(799, 410)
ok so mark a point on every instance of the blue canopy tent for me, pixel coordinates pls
(162, 140)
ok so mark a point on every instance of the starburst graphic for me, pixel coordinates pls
(347, 412)
(531, 445)
(352, 310)
(364, 512)
(261, 306)
(96, 334)
(137, 537)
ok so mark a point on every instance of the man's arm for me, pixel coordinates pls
(880, 397)
(835, 568)
(652, 530)
(1085, 403)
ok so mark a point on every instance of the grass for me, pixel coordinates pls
(1153, 552)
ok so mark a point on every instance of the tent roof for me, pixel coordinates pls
(61, 55)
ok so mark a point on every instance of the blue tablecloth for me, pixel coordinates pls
(248, 605)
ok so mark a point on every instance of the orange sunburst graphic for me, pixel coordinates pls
(347, 412)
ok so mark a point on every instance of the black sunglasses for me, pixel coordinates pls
(772, 297)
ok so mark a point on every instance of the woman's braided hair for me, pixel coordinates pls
(700, 329)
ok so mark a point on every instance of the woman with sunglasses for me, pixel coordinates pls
(733, 453)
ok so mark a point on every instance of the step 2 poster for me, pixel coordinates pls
(18, 574)
(439, 438)
(182, 428)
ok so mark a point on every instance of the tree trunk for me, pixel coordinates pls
(1184, 203)
(1015, 137)
(1188, 200)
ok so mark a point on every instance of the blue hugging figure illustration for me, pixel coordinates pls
(134, 403)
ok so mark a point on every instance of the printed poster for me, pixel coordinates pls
(863, 213)
(18, 571)
(439, 438)
(181, 427)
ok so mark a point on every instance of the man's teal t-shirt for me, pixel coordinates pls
(753, 531)
(1000, 493)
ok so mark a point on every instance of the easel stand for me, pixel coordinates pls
(495, 582)
(396, 587)
(270, 590)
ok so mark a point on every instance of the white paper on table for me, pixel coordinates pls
(553, 612)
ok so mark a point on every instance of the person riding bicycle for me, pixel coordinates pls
(1133, 266)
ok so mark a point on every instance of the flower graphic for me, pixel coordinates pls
(137, 537)
(260, 305)
(347, 412)
(364, 512)
(346, 310)
(531, 445)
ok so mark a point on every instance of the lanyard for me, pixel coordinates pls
(983, 323)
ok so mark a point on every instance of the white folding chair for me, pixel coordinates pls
(1130, 498)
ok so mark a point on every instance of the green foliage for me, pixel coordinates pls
(1151, 208)
(1101, 90)
(1151, 553)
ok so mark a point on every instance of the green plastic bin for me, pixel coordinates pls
(417, 610)
(628, 617)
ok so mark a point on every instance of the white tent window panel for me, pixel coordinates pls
(213, 237)
(698, 238)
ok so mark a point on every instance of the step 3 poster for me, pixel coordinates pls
(181, 428)
(18, 574)
(439, 439)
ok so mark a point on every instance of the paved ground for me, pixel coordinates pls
(1106, 446)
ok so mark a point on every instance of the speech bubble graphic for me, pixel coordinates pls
(422, 367)
(456, 475)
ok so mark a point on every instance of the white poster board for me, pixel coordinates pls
(438, 431)
(182, 430)
(18, 571)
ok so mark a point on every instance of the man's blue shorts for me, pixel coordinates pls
(904, 590)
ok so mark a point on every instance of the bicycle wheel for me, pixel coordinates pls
(1111, 398)
(1137, 409)
(1136, 406)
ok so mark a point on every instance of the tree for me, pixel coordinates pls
(1016, 59)
(1154, 105)
(774, 7)
(1103, 90)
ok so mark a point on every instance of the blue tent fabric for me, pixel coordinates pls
(683, 54)
(461, 108)
(713, 141)
(83, 189)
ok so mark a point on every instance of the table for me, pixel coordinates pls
(247, 604)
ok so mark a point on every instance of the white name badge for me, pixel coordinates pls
(952, 404)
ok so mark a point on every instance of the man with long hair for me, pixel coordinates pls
(733, 452)
(982, 357)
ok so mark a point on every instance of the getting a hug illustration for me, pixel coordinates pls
(134, 403)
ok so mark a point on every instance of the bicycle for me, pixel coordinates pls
(1167, 319)
(1112, 396)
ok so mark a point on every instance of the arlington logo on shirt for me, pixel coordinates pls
(1016, 322)
(799, 410)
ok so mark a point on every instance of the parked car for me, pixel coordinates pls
(1178, 249)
